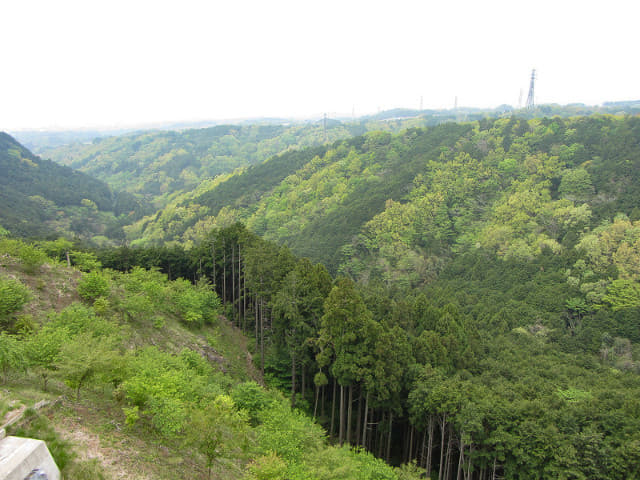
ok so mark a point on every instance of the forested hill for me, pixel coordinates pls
(486, 322)
(157, 164)
(333, 197)
(39, 197)
(400, 205)
(492, 329)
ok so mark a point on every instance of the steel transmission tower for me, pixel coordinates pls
(531, 97)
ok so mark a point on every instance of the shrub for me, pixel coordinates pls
(13, 296)
(32, 258)
(196, 304)
(92, 286)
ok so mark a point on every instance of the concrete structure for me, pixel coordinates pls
(26, 459)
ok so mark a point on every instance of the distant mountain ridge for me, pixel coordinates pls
(158, 164)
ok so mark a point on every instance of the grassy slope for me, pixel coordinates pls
(95, 426)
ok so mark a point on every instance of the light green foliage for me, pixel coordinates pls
(76, 344)
(85, 261)
(10, 246)
(149, 292)
(622, 294)
(78, 318)
(526, 221)
(218, 430)
(164, 387)
(288, 433)
(196, 304)
(86, 357)
(89, 204)
(101, 306)
(145, 292)
(410, 471)
(13, 296)
(253, 399)
(268, 467)
(148, 282)
(43, 349)
(613, 244)
(57, 249)
(335, 463)
(343, 463)
(31, 257)
(131, 415)
(576, 185)
(610, 268)
(11, 355)
(320, 379)
(574, 395)
(93, 285)
(313, 191)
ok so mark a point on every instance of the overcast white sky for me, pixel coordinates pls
(89, 63)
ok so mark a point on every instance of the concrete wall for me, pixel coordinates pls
(20, 456)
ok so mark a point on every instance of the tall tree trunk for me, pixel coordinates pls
(303, 383)
(448, 459)
(341, 430)
(443, 434)
(262, 337)
(256, 322)
(333, 408)
(430, 428)
(381, 434)
(364, 423)
(356, 441)
(460, 457)
(244, 300)
(293, 378)
(233, 284)
(213, 260)
(239, 297)
(349, 414)
(239, 288)
(468, 474)
(224, 273)
(315, 403)
(494, 468)
(388, 456)
(373, 423)
(410, 453)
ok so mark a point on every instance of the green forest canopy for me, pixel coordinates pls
(486, 319)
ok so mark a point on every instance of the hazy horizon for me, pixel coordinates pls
(93, 65)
